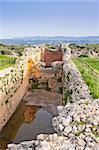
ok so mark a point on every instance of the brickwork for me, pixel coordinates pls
(50, 56)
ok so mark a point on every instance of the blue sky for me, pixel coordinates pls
(48, 18)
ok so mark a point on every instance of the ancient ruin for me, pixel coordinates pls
(46, 77)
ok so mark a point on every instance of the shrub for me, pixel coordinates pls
(83, 55)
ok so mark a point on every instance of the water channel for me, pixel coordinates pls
(36, 110)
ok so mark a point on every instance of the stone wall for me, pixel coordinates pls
(14, 83)
(77, 123)
(75, 87)
(34, 53)
(76, 126)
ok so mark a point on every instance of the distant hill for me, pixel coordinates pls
(52, 40)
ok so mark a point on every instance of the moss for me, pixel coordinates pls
(81, 122)
(93, 128)
(0, 78)
(60, 90)
(96, 134)
(34, 85)
(86, 103)
(68, 76)
(77, 133)
(50, 46)
(84, 55)
(66, 95)
(59, 79)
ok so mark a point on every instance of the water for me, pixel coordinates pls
(26, 123)
(36, 110)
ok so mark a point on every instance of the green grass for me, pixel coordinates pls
(9, 49)
(89, 68)
(50, 46)
(92, 45)
(6, 61)
(94, 62)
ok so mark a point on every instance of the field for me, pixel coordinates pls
(92, 46)
(6, 61)
(9, 53)
(12, 49)
(89, 68)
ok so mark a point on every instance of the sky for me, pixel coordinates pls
(22, 18)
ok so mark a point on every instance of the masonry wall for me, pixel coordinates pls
(75, 127)
(50, 56)
(14, 84)
(75, 87)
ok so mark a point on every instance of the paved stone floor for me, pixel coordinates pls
(42, 98)
(46, 90)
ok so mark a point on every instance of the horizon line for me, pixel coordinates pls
(49, 36)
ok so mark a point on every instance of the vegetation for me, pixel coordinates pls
(83, 55)
(92, 45)
(12, 49)
(84, 45)
(50, 46)
(89, 68)
(67, 95)
(6, 61)
(59, 79)
(9, 53)
(93, 62)
(88, 47)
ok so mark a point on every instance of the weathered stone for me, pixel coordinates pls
(67, 130)
(50, 56)
(77, 123)
(81, 142)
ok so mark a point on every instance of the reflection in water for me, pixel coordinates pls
(9, 131)
(29, 113)
(25, 124)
